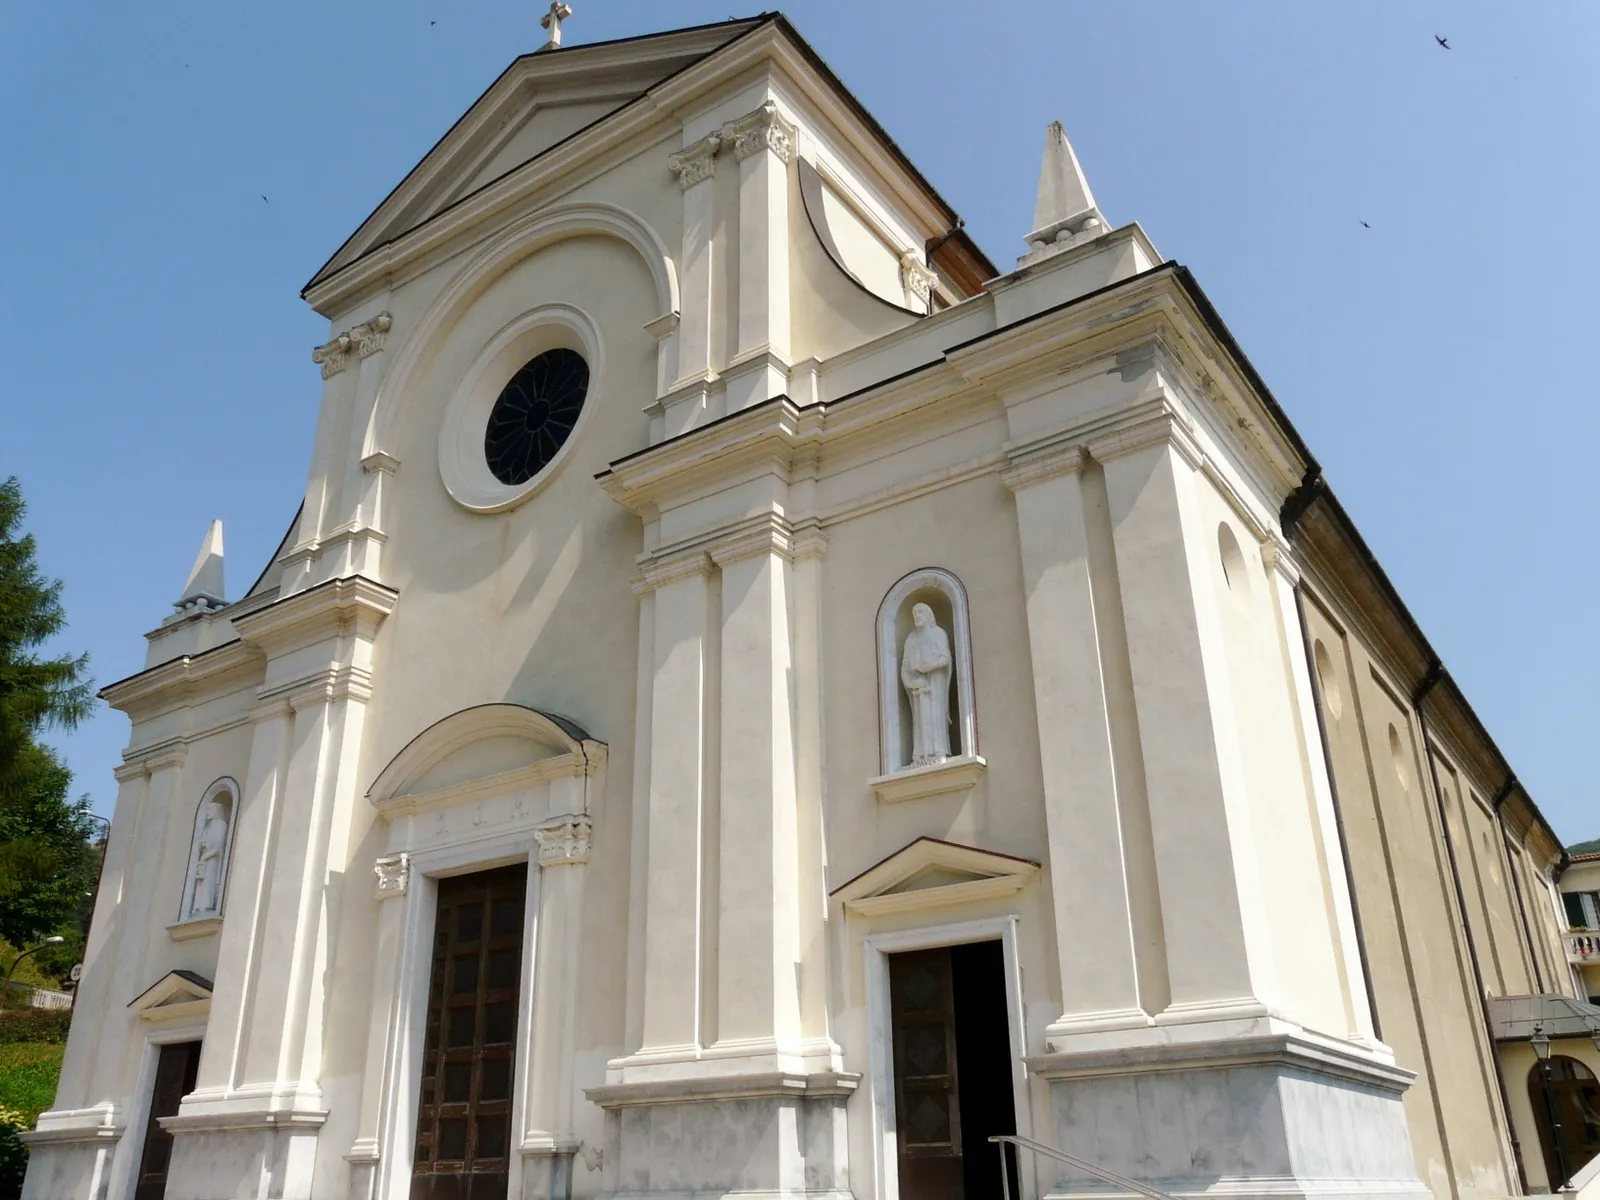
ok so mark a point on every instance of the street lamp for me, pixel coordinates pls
(1541, 1043)
(55, 939)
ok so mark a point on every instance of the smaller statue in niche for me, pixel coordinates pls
(206, 897)
(925, 674)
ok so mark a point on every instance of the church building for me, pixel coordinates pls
(757, 699)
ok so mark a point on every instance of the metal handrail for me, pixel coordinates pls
(1133, 1185)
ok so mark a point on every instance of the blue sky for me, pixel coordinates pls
(175, 172)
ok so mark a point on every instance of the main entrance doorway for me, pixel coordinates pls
(175, 1075)
(952, 1070)
(464, 1110)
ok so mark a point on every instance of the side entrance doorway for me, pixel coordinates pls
(952, 1071)
(176, 1068)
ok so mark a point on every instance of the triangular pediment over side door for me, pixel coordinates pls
(176, 996)
(538, 102)
(930, 873)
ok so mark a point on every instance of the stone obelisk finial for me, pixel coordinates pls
(1065, 212)
(205, 589)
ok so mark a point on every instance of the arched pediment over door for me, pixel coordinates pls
(488, 773)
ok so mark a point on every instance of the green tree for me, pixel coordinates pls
(46, 861)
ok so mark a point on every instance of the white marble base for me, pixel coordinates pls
(1271, 1122)
(755, 1146)
(249, 1163)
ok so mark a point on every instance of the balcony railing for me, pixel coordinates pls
(1583, 946)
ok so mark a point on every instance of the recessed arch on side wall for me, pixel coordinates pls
(517, 242)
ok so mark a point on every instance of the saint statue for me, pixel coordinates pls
(925, 674)
(206, 897)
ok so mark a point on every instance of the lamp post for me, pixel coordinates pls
(55, 939)
(1540, 1041)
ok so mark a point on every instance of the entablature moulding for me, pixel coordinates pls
(769, 47)
(1149, 327)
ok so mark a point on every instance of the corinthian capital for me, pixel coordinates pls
(333, 356)
(697, 163)
(764, 129)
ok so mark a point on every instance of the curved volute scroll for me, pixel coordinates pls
(927, 711)
(489, 750)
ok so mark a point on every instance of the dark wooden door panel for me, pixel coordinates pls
(464, 1131)
(176, 1068)
(927, 1096)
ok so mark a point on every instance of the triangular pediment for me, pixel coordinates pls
(540, 101)
(931, 873)
(176, 996)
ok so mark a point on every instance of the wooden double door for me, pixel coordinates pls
(464, 1135)
(952, 1071)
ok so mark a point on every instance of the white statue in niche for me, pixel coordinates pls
(925, 674)
(205, 898)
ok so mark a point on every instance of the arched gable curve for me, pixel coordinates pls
(482, 723)
(527, 236)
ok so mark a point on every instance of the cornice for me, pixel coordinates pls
(147, 760)
(185, 680)
(1152, 308)
(1037, 460)
(723, 1087)
(353, 604)
(766, 534)
(325, 686)
(767, 433)
(636, 125)
(659, 572)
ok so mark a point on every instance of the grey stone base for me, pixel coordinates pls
(775, 1140)
(1267, 1117)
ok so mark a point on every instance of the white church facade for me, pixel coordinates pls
(757, 700)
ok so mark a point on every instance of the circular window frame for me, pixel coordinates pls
(463, 466)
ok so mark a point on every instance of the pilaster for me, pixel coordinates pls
(1084, 790)
(758, 1013)
(695, 167)
(764, 144)
(1218, 953)
(258, 1101)
(673, 883)
(548, 1140)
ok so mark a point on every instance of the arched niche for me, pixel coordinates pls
(210, 848)
(942, 592)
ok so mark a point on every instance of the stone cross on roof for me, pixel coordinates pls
(559, 12)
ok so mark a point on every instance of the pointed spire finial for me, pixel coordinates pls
(205, 589)
(1065, 211)
(559, 12)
